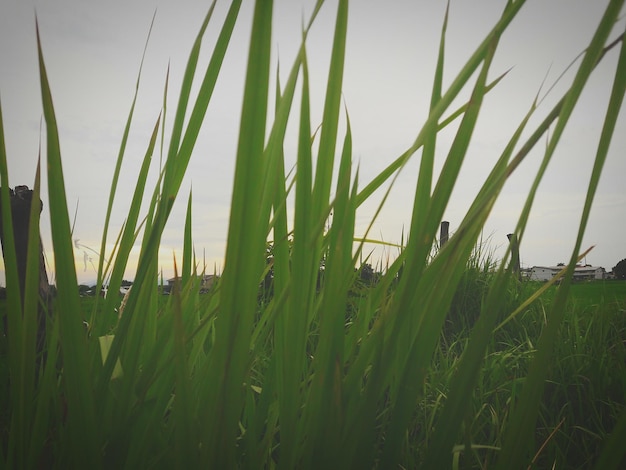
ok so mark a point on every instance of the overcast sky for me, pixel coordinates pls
(93, 51)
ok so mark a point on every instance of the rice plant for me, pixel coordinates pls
(307, 377)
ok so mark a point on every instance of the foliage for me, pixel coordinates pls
(620, 269)
(319, 374)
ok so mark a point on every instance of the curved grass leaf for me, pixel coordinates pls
(82, 426)
(525, 412)
(118, 166)
(244, 255)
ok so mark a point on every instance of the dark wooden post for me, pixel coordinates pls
(514, 254)
(443, 233)
(21, 200)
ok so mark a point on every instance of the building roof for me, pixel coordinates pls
(578, 268)
(178, 278)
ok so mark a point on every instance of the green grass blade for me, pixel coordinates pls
(173, 172)
(303, 278)
(457, 85)
(325, 410)
(330, 118)
(455, 407)
(178, 156)
(16, 447)
(82, 424)
(48, 399)
(187, 246)
(287, 323)
(612, 456)
(14, 301)
(118, 166)
(524, 415)
(124, 246)
(30, 322)
(186, 446)
(418, 334)
(281, 269)
(183, 99)
(14, 297)
(461, 110)
(425, 178)
(22, 329)
(128, 235)
(244, 261)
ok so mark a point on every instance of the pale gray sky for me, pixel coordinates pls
(93, 51)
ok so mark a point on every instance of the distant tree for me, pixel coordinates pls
(83, 289)
(367, 274)
(620, 269)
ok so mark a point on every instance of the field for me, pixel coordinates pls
(301, 355)
(585, 390)
(593, 294)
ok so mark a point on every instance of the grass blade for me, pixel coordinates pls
(524, 415)
(244, 253)
(457, 85)
(82, 424)
(330, 119)
(118, 166)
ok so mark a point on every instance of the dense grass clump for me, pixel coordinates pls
(301, 356)
(585, 389)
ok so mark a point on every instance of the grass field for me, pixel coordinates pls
(592, 293)
(445, 360)
(585, 390)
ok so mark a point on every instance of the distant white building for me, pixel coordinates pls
(206, 281)
(581, 273)
(543, 273)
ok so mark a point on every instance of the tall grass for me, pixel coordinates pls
(225, 381)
